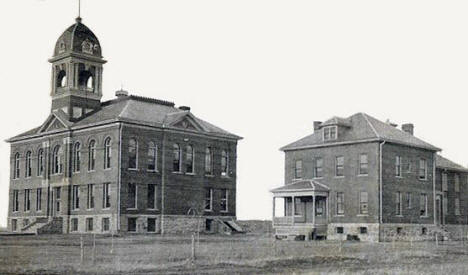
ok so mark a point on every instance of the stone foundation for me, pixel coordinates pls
(353, 229)
(175, 224)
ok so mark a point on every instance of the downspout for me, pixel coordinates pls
(434, 186)
(163, 177)
(380, 183)
(119, 180)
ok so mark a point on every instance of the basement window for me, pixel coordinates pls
(399, 230)
(339, 230)
(424, 231)
(74, 224)
(132, 224)
(151, 225)
(363, 230)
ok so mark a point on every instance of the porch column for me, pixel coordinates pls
(328, 210)
(313, 209)
(293, 208)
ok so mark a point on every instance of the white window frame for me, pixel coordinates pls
(226, 200)
(211, 200)
(398, 167)
(362, 203)
(399, 204)
(155, 194)
(90, 197)
(337, 166)
(39, 199)
(106, 196)
(75, 197)
(135, 206)
(361, 163)
(420, 168)
(316, 168)
(298, 171)
(342, 204)
(327, 131)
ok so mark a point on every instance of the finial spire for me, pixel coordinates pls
(78, 19)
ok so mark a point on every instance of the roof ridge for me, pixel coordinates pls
(370, 124)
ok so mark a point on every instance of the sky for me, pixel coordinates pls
(262, 69)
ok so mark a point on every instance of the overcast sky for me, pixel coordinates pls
(264, 70)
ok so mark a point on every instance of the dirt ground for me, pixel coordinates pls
(238, 254)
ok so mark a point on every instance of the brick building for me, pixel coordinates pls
(130, 164)
(366, 178)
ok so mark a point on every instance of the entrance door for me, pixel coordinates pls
(320, 210)
(438, 209)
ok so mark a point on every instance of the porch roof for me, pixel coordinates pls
(302, 186)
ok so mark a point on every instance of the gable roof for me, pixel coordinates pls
(444, 163)
(360, 128)
(134, 109)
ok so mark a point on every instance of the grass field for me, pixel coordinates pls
(152, 254)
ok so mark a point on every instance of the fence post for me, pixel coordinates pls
(81, 249)
(112, 243)
(94, 248)
(193, 248)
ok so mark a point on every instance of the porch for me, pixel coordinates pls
(301, 208)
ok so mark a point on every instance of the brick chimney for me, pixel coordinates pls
(408, 127)
(317, 125)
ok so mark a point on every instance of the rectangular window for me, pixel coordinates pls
(408, 200)
(457, 205)
(106, 197)
(75, 197)
(444, 182)
(132, 196)
(27, 200)
(330, 133)
(208, 161)
(340, 203)
(105, 224)
(407, 165)
(90, 197)
(363, 203)
(152, 196)
(457, 183)
(318, 167)
(422, 169)
(74, 225)
(423, 205)
(15, 200)
(298, 169)
(363, 230)
(339, 166)
(132, 224)
(58, 198)
(38, 199)
(398, 166)
(208, 199)
(14, 225)
(363, 164)
(89, 224)
(225, 163)
(339, 230)
(151, 225)
(224, 200)
(398, 203)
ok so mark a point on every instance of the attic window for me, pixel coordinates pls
(330, 133)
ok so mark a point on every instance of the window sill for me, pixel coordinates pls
(224, 211)
(339, 177)
(110, 168)
(208, 210)
(424, 217)
(177, 173)
(152, 209)
(399, 216)
(190, 174)
(317, 178)
(152, 171)
(91, 171)
(91, 209)
(132, 208)
(133, 169)
(422, 179)
(362, 215)
(209, 175)
(108, 208)
(339, 215)
(225, 177)
(363, 175)
(398, 177)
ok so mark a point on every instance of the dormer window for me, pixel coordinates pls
(330, 133)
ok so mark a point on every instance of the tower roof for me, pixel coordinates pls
(78, 38)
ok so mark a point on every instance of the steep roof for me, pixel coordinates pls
(444, 163)
(72, 40)
(361, 127)
(139, 110)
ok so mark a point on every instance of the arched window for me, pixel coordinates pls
(16, 166)
(152, 157)
(77, 157)
(224, 163)
(85, 80)
(57, 160)
(176, 167)
(92, 155)
(189, 159)
(62, 79)
(107, 153)
(40, 162)
(132, 154)
(28, 164)
(208, 161)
